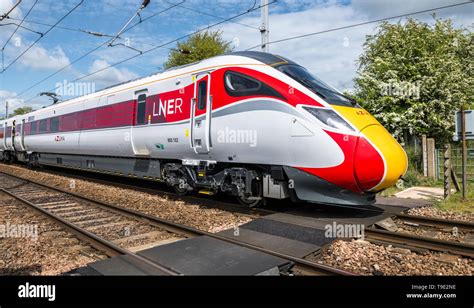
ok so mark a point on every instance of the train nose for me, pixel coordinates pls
(379, 161)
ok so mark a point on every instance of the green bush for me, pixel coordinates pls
(415, 159)
(411, 177)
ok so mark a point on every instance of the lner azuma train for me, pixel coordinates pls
(251, 124)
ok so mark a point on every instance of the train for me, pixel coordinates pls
(254, 125)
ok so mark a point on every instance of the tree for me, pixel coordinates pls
(413, 77)
(22, 110)
(199, 46)
(19, 111)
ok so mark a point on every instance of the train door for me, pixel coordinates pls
(138, 134)
(201, 113)
(22, 138)
(13, 133)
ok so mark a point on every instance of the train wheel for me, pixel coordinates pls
(251, 201)
(182, 191)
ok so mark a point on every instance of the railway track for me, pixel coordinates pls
(88, 221)
(80, 215)
(424, 242)
(409, 241)
(372, 233)
(436, 222)
(152, 188)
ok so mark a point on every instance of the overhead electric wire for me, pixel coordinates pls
(44, 34)
(173, 41)
(85, 55)
(361, 24)
(95, 33)
(218, 17)
(2, 50)
(162, 45)
(19, 25)
(11, 10)
(153, 15)
(137, 14)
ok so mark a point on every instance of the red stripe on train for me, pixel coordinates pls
(167, 107)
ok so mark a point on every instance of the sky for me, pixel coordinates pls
(331, 56)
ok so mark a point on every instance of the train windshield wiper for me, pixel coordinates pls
(350, 99)
(308, 84)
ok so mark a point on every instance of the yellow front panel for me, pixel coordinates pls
(395, 158)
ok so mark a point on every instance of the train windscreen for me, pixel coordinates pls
(303, 76)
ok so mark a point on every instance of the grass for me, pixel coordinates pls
(414, 177)
(455, 202)
(390, 191)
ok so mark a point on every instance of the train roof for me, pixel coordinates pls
(263, 57)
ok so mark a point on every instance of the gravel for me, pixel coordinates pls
(120, 231)
(365, 258)
(194, 215)
(437, 213)
(441, 234)
(54, 251)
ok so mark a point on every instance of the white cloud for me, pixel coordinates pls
(10, 97)
(7, 30)
(379, 9)
(39, 58)
(14, 102)
(114, 6)
(7, 5)
(332, 56)
(108, 76)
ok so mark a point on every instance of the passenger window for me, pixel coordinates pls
(43, 126)
(54, 125)
(141, 109)
(202, 95)
(34, 127)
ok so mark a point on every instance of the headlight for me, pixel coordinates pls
(329, 117)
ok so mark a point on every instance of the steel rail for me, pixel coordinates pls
(462, 249)
(306, 265)
(252, 212)
(437, 222)
(97, 242)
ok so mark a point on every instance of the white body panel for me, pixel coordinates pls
(9, 140)
(279, 133)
